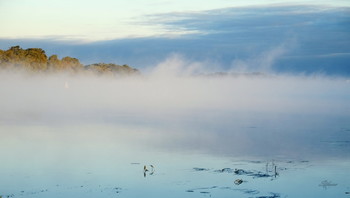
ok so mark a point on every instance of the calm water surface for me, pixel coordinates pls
(273, 156)
(196, 137)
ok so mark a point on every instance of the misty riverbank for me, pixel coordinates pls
(72, 135)
(35, 60)
(165, 92)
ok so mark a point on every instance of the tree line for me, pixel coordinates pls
(36, 60)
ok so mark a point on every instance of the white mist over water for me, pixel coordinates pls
(177, 107)
(40, 97)
(173, 102)
(89, 136)
(264, 61)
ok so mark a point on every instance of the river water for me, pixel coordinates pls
(52, 147)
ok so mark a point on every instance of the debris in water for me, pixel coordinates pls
(241, 172)
(256, 162)
(117, 189)
(224, 170)
(252, 192)
(152, 169)
(200, 169)
(145, 170)
(203, 188)
(238, 181)
(273, 195)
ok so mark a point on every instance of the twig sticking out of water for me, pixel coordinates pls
(276, 173)
(274, 167)
(145, 170)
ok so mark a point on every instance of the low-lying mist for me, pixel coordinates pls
(179, 106)
(168, 90)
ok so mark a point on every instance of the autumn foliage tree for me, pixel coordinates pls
(53, 62)
(111, 69)
(66, 64)
(35, 59)
(69, 63)
(31, 58)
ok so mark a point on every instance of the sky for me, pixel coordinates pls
(240, 35)
(106, 19)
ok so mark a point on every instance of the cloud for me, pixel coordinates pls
(281, 39)
(246, 19)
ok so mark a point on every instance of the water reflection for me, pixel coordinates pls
(223, 140)
(148, 172)
(106, 160)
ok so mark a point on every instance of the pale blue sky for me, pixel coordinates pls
(267, 36)
(83, 20)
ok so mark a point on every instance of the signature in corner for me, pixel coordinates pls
(325, 184)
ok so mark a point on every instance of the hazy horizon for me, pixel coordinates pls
(240, 98)
(297, 37)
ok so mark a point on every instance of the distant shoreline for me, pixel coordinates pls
(36, 60)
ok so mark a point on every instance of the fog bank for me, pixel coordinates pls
(166, 91)
(177, 106)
